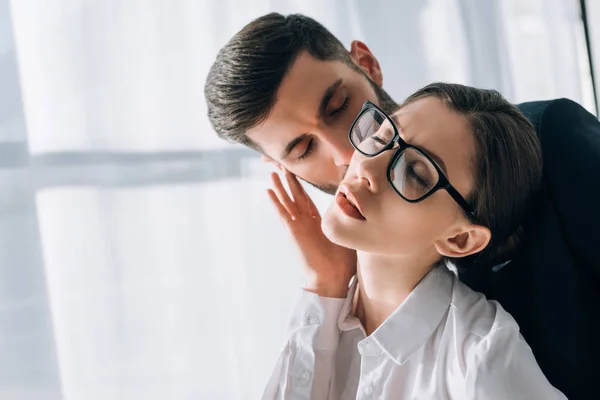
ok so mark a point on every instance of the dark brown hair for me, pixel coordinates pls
(507, 165)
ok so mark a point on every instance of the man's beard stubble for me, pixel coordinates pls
(329, 189)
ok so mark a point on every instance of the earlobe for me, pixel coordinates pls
(366, 61)
(464, 243)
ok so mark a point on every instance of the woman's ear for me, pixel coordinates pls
(366, 61)
(470, 240)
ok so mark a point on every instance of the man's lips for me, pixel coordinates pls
(347, 202)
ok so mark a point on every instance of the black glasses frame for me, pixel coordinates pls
(442, 183)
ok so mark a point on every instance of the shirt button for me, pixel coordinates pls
(368, 390)
(312, 320)
(304, 376)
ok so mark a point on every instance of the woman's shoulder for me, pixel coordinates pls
(477, 317)
(493, 357)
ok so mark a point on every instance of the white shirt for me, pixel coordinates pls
(445, 341)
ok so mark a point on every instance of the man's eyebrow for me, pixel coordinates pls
(430, 153)
(327, 95)
(292, 144)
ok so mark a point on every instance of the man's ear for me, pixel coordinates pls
(268, 159)
(365, 60)
(470, 240)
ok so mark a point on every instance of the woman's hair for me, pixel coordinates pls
(507, 166)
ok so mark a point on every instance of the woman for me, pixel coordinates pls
(444, 181)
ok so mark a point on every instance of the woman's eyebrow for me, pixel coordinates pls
(438, 160)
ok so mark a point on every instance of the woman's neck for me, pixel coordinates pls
(383, 284)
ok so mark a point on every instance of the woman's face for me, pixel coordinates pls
(389, 224)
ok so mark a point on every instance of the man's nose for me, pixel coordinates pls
(342, 152)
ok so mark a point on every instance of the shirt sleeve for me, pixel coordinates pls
(503, 367)
(305, 366)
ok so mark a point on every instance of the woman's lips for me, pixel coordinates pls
(347, 207)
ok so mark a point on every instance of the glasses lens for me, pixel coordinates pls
(371, 132)
(413, 175)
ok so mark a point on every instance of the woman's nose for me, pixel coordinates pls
(372, 170)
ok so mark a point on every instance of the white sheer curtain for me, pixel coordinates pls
(140, 255)
(593, 15)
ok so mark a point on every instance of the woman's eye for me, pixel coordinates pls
(414, 175)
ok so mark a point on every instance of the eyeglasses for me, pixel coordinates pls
(411, 172)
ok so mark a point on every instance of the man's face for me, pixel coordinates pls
(307, 128)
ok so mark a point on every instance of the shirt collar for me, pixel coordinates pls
(414, 321)
(346, 321)
(419, 315)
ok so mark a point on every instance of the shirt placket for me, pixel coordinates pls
(370, 377)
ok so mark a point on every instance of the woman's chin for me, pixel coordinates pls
(343, 232)
(328, 226)
(338, 232)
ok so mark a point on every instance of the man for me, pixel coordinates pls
(286, 87)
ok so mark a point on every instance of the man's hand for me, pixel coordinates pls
(329, 266)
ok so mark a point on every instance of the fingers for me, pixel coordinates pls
(312, 209)
(296, 188)
(281, 210)
(299, 204)
(283, 197)
(304, 203)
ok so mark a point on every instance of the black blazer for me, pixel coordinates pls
(552, 286)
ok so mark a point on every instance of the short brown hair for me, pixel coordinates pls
(507, 165)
